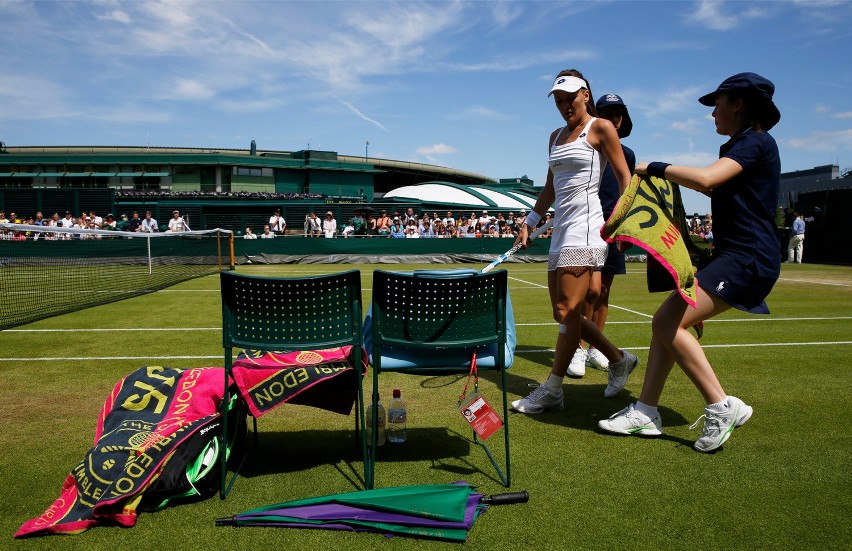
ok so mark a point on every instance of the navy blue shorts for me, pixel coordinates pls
(614, 264)
(734, 279)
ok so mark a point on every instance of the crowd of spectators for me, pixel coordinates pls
(365, 223)
(701, 226)
(88, 220)
(411, 225)
(154, 194)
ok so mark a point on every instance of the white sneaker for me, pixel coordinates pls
(632, 421)
(618, 373)
(577, 367)
(539, 400)
(596, 360)
(719, 426)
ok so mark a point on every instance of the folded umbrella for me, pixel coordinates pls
(442, 511)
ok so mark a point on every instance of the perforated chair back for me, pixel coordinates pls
(439, 310)
(303, 313)
(292, 314)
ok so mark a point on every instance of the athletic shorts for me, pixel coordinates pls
(734, 279)
(614, 264)
(576, 256)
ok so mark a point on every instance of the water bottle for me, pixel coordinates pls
(396, 418)
(381, 424)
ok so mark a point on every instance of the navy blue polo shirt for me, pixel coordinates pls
(609, 191)
(744, 208)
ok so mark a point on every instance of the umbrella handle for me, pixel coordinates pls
(506, 499)
(227, 521)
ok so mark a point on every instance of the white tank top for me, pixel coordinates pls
(577, 168)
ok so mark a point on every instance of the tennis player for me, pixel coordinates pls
(578, 153)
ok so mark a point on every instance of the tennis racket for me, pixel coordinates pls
(516, 248)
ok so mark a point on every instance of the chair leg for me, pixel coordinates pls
(508, 481)
(374, 420)
(506, 478)
(225, 487)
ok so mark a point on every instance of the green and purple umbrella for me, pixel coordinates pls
(441, 511)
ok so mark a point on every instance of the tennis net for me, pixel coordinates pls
(48, 271)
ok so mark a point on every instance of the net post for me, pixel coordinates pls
(150, 271)
(231, 247)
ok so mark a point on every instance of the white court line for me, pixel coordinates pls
(529, 282)
(547, 324)
(705, 321)
(534, 351)
(107, 329)
(611, 305)
(189, 290)
(757, 344)
(815, 282)
(631, 311)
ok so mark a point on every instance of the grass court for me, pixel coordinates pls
(782, 481)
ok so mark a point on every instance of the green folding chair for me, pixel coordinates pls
(429, 323)
(278, 314)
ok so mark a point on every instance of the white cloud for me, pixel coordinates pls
(505, 12)
(189, 89)
(362, 115)
(130, 114)
(481, 111)
(846, 115)
(668, 101)
(710, 14)
(436, 149)
(690, 126)
(116, 15)
(829, 140)
(821, 108)
(691, 158)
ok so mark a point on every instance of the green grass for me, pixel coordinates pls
(782, 481)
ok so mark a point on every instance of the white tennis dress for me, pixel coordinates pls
(577, 168)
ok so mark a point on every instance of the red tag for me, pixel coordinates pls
(481, 416)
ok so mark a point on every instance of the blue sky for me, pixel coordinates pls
(459, 84)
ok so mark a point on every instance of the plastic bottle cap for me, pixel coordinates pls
(396, 393)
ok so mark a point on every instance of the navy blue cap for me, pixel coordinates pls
(614, 99)
(756, 87)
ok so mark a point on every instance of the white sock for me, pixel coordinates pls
(718, 407)
(645, 409)
(554, 382)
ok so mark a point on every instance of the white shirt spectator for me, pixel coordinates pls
(277, 223)
(149, 225)
(329, 225)
(176, 224)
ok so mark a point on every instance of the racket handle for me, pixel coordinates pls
(506, 499)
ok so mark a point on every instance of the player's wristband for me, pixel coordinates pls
(533, 218)
(657, 169)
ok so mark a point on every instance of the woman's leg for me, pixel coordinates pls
(568, 288)
(601, 308)
(672, 342)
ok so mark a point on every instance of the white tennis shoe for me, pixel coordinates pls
(632, 421)
(719, 426)
(618, 373)
(577, 367)
(539, 400)
(595, 359)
